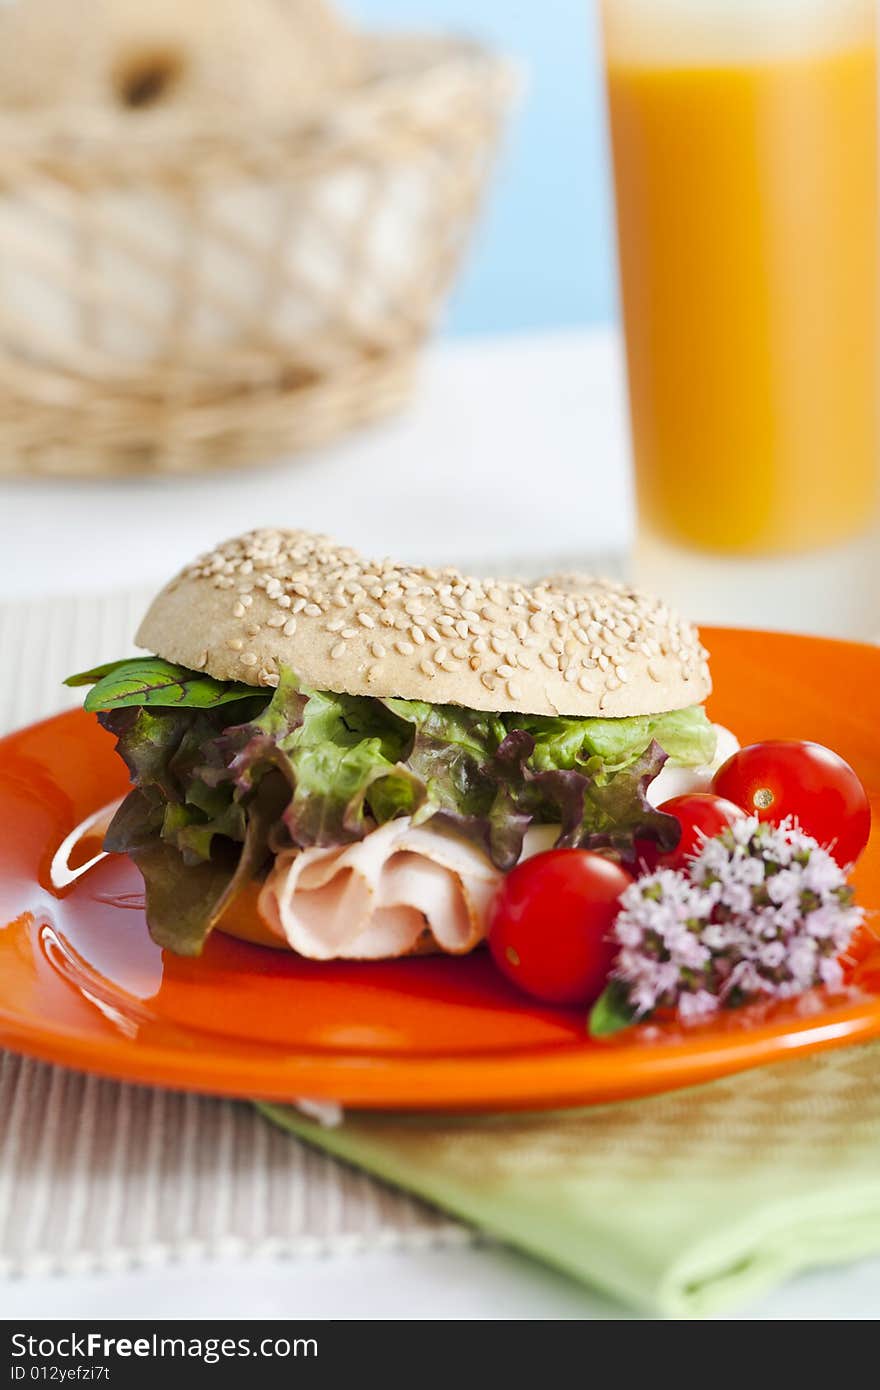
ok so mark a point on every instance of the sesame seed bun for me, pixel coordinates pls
(569, 644)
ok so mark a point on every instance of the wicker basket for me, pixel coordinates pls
(193, 299)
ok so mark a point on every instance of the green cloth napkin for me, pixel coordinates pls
(680, 1204)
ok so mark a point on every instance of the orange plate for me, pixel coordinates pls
(81, 983)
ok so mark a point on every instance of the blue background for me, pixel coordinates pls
(543, 255)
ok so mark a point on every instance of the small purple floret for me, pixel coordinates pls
(761, 912)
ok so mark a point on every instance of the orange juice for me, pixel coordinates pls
(745, 160)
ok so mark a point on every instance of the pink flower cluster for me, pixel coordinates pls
(762, 911)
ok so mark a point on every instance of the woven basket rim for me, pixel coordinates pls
(401, 68)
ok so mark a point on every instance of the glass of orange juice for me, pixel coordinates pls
(744, 135)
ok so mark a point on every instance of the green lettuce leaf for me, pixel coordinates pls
(685, 735)
(346, 770)
(149, 680)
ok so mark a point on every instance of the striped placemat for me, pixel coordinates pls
(99, 1175)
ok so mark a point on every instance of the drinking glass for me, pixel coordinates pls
(744, 137)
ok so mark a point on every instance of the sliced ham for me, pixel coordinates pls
(400, 888)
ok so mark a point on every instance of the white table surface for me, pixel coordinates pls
(480, 1282)
(514, 447)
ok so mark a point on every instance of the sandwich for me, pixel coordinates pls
(343, 757)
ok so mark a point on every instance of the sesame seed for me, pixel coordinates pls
(378, 649)
(585, 683)
(655, 671)
(488, 680)
(514, 690)
(505, 670)
(405, 648)
(238, 610)
(337, 625)
(289, 627)
(249, 659)
(201, 661)
(417, 635)
(337, 650)
(270, 678)
(348, 632)
(234, 644)
(365, 620)
(549, 659)
(428, 667)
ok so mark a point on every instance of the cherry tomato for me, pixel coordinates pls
(785, 778)
(550, 923)
(645, 857)
(701, 816)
